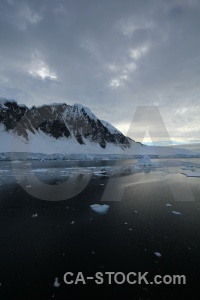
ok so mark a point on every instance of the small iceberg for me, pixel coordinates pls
(101, 209)
(176, 212)
(39, 170)
(16, 161)
(144, 161)
(103, 172)
(72, 222)
(56, 283)
(100, 173)
(168, 205)
(158, 254)
(34, 215)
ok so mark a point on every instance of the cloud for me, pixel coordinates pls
(38, 68)
(27, 17)
(108, 55)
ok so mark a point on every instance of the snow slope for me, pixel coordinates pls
(69, 130)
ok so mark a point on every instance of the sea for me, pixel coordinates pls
(99, 229)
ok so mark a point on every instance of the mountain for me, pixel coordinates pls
(62, 128)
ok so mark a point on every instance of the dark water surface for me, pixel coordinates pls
(34, 251)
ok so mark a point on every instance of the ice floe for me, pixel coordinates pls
(144, 161)
(56, 283)
(176, 212)
(101, 209)
(34, 215)
(158, 254)
(39, 170)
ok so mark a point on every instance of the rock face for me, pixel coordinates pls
(60, 120)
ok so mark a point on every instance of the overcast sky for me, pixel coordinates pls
(109, 55)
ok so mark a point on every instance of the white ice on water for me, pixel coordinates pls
(56, 283)
(101, 209)
(34, 215)
(144, 161)
(158, 254)
(176, 212)
(39, 170)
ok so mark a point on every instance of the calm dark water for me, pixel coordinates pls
(34, 251)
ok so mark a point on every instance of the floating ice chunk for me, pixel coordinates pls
(72, 222)
(28, 186)
(34, 215)
(101, 183)
(56, 283)
(144, 161)
(16, 161)
(158, 254)
(99, 173)
(39, 170)
(176, 212)
(168, 205)
(135, 211)
(191, 174)
(101, 209)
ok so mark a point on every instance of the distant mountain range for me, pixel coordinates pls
(62, 128)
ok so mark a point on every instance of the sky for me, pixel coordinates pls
(110, 55)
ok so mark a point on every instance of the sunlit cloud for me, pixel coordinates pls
(114, 83)
(130, 67)
(26, 17)
(39, 69)
(128, 27)
(137, 53)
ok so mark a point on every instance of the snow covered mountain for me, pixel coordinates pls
(62, 128)
(60, 122)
